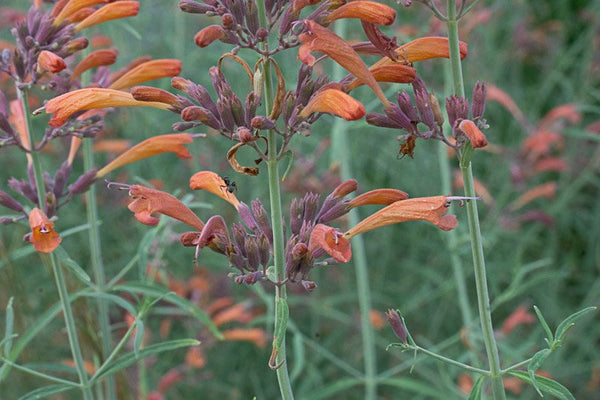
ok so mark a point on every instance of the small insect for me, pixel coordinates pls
(229, 185)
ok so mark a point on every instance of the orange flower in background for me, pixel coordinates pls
(319, 38)
(147, 71)
(423, 49)
(173, 143)
(368, 11)
(546, 190)
(116, 10)
(254, 335)
(332, 241)
(63, 106)
(95, 59)
(470, 129)
(213, 183)
(43, 237)
(50, 62)
(430, 209)
(148, 201)
(335, 102)
(518, 317)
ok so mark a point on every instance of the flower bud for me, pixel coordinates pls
(60, 179)
(9, 202)
(228, 21)
(423, 103)
(194, 7)
(260, 215)
(309, 286)
(83, 183)
(246, 216)
(262, 123)
(264, 250)
(437, 111)
(189, 239)
(397, 325)
(296, 216)
(478, 106)
(208, 35)
(252, 253)
(48, 61)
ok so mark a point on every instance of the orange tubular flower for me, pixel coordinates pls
(116, 10)
(300, 4)
(147, 71)
(173, 143)
(148, 201)
(395, 73)
(319, 38)
(208, 35)
(423, 49)
(63, 106)
(430, 209)
(332, 241)
(335, 102)
(254, 335)
(148, 93)
(378, 196)
(368, 11)
(470, 129)
(95, 59)
(65, 8)
(43, 236)
(213, 183)
(49, 61)
(80, 15)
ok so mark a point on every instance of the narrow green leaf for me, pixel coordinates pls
(139, 336)
(467, 154)
(8, 329)
(124, 304)
(152, 290)
(130, 358)
(536, 362)
(549, 335)
(72, 266)
(476, 390)
(290, 155)
(45, 391)
(546, 385)
(568, 322)
(282, 315)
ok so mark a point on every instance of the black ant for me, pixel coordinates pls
(229, 185)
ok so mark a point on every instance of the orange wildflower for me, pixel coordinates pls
(423, 49)
(100, 41)
(116, 10)
(80, 15)
(254, 335)
(332, 241)
(430, 209)
(516, 318)
(546, 190)
(319, 38)
(465, 383)
(173, 143)
(494, 93)
(112, 146)
(207, 35)
(213, 183)
(43, 237)
(63, 106)
(567, 111)
(64, 8)
(148, 93)
(50, 62)
(96, 58)
(378, 196)
(148, 201)
(238, 312)
(300, 4)
(395, 73)
(368, 11)
(147, 71)
(335, 102)
(377, 319)
(470, 129)
(195, 357)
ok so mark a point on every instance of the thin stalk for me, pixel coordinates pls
(51, 258)
(70, 324)
(283, 377)
(448, 360)
(483, 298)
(340, 153)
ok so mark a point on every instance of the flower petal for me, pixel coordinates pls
(430, 209)
(96, 58)
(214, 184)
(43, 236)
(423, 49)
(116, 10)
(63, 106)
(395, 73)
(65, 8)
(335, 102)
(147, 71)
(378, 196)
(332, 241)
(173, 143)
(368, 11)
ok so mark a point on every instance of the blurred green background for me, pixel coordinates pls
(543, 54)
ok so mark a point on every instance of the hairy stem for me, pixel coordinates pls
(483, 298)
(340, 153)
(283, 378)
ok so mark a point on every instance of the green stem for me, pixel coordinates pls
(97, 264)
(283, 377)
(483, 298)
(340, 153)
(70, 324)
(448, 360)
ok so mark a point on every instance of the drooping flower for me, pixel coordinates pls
(335, 102)
(213, 183)
(43, 237)
(368, 11)
(430, 209)
(116, 10)
(63, 106)
(173, 143)
(147, 201)
(319, 38)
